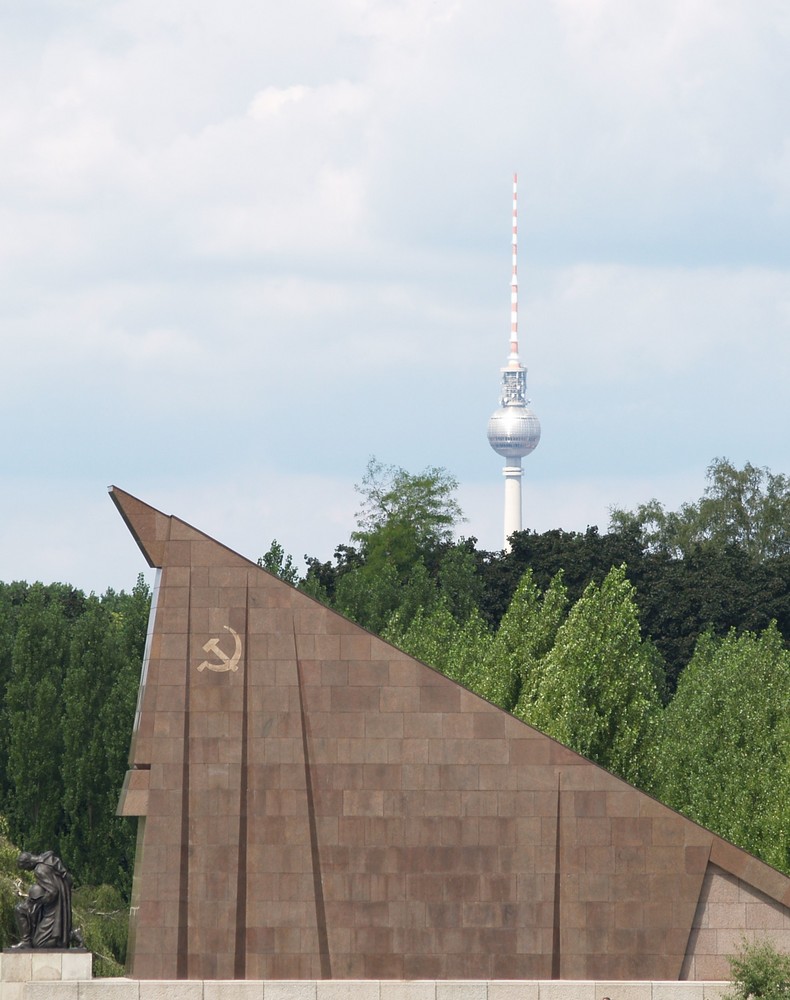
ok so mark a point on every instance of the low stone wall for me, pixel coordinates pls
(67, 988)
(22, 970)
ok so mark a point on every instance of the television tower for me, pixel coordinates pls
(513, 429)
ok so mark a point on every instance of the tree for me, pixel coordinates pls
(711, 588)
(533, 645)
(403, 515)
(669, 533)
(581, 556)
(597, 692)
(33, 716)
(321, 578)
(525, 635)
(131, 613)
(67, 719)
(428, 636)
(367, 596)
(458, 579)
(723, 748)
(99, 693)
(404, 526)
(12, 596)
(748, 508)
(459, 650)
(759, 972)
(276, 561)
(469, 652)
(11, 877)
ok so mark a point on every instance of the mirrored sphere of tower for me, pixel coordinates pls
(513, 431)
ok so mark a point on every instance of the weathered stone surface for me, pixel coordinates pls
(320, 806)
(124, 989)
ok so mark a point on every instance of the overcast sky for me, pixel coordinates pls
(244, 246)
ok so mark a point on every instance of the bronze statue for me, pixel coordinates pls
(44, 915)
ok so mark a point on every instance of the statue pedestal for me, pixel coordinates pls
(41, 965)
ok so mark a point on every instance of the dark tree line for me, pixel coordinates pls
(679, 597)
(718, 564)
(69, 673)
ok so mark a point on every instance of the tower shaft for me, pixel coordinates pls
(512, 473)
(513, 429)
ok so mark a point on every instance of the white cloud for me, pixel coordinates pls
(341, 97)
(272, 100)
(307, 206)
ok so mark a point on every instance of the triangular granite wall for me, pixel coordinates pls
(315, 803)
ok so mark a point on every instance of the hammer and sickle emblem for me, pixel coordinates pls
(228, 662)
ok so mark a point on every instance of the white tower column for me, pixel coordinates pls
(512, 473)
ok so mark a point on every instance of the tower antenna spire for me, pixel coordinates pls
(513, 429)
(514, 276)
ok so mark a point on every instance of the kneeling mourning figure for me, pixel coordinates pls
(44, 915)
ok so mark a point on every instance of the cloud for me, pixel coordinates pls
(246, 237)
(271, 100)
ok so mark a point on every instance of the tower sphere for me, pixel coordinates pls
(513, 431)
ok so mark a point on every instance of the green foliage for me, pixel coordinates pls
(11, 880)
(748, 508)
(404, 516)
(458, 650)
(597, 691)
(74, 666)
(405, 560)
(510, 658)
(526, 634)
(368, 596)
(11, 596)
(759, 971)
(710, 589)
(678, 596)
(95, 658)
(99, 695)
(33, 713)
(671, 533)
(722, 754)
(428, 636)
(469, 652)
(103, 917)
(276, 561)
(459, 582)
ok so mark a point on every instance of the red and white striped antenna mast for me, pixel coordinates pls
(514, 277)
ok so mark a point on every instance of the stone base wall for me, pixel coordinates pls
(21, 971)
(730, 911)
(132, 989)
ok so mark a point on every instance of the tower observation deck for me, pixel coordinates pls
(514, 428)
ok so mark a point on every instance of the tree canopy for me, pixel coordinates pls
(597, 691)
(66, 719)
(747, 508)
(723, 752)
(402, 514)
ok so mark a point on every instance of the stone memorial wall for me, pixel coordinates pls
(316, 805)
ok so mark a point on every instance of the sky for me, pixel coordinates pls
(246, 246)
